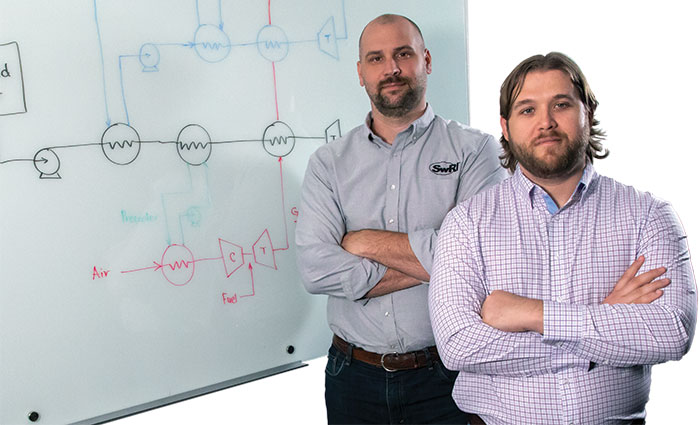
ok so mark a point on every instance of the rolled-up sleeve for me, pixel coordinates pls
(325, 267)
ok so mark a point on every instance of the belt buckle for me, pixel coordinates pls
(387, 369)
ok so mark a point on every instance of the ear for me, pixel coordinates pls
(505, 130)
(428, 61)
(359, 73)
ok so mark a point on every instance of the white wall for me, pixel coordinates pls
(639, 58)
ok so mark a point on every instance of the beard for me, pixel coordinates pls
(405, 103)
(569, 161)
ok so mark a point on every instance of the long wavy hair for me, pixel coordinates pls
(512, 86)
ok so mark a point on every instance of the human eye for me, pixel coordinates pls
(404, 54)
(374, 59)
(526, 111)
(562, 105)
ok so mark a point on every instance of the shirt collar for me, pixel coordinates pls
(414, 131)
(529, 189)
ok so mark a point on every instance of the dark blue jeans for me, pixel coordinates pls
(359, 393)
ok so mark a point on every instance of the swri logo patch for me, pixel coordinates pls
(442, 168)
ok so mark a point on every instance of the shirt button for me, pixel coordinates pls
(559, 299)
(393, 187)
(387, 314)
(391, 221)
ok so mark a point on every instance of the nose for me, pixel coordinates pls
(547, 120)
(392, 67)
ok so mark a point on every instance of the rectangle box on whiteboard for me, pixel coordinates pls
(11, 80)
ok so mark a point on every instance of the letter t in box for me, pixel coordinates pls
(11, 81)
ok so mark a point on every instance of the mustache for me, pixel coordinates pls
(393, 79)
(549, 134)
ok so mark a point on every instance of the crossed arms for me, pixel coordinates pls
(509, 312)
(392, 249)
(350, 264)
(643, 320)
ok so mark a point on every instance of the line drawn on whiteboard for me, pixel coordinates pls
(213, 45)
(107, 120)
(283, 215)
(194, 144)
(121, 143)
(12, 97)
(186, 205)
(177, 263)
(47, 164)
(149, 56)
(271, 43)
(278, 139)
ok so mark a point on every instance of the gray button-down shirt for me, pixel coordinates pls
(361, 182)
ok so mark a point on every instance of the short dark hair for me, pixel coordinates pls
(512, 86)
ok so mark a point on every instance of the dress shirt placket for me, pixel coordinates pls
(567, 389)
(392, 208)
(560, 264)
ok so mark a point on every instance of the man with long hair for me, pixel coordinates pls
(555, 291)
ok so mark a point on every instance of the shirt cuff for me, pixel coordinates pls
(564, 324)
(422, 242)
(363, 278)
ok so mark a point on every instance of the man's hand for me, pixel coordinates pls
(641, 289)
(512, 313)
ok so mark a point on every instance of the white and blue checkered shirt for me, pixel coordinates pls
(592, 365)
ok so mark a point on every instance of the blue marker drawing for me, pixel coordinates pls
(211, 43)
(327, 35)
(121, 81)
(178, 206)
(327, 39)
(108, 120)
(220, 15)
(149, 55)
(120, 142)
(344, 21)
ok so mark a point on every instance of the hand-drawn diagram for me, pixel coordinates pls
(213, 43)
(12, 100)
(152, 154)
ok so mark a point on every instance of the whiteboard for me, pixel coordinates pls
(151, 157)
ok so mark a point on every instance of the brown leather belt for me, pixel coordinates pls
(391, 362)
